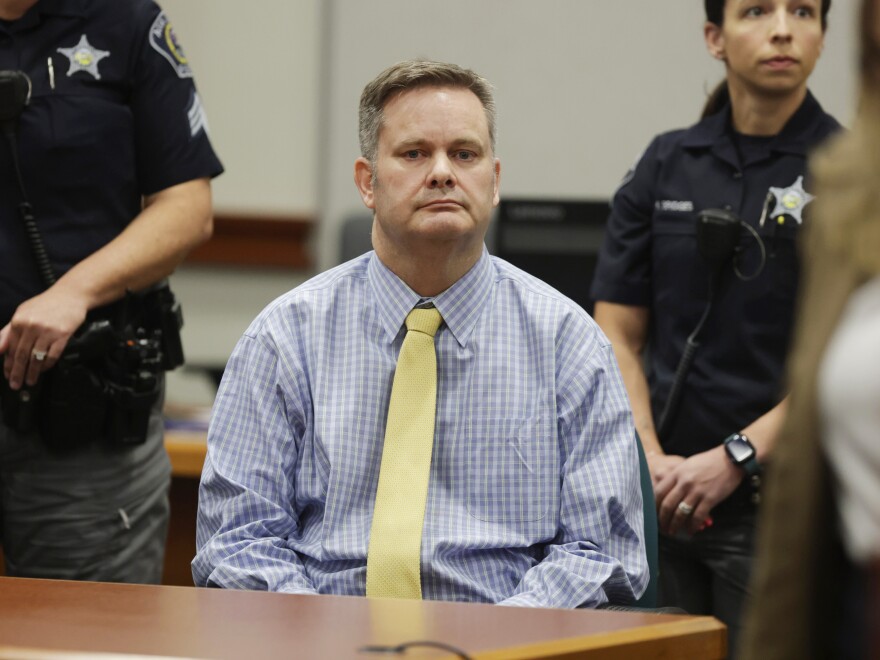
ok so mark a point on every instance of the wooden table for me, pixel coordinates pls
(40, 618)
(186, 449)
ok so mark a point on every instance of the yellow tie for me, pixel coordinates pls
(393, 565)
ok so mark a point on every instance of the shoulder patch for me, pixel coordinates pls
(164, 41)
(195, 113)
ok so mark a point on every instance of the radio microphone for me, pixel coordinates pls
(15, 94)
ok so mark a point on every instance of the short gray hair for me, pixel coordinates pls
(412, 74)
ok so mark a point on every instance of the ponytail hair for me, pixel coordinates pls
(718, 98)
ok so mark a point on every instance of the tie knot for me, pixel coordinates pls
(425, 320)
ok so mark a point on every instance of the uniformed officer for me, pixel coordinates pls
(112, 155)
(747, 157)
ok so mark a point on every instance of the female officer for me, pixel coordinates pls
(746, 157)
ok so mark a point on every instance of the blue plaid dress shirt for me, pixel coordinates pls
(534, 494)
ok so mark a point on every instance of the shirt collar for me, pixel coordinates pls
(795, 136)
(460, 305)
(716, 128)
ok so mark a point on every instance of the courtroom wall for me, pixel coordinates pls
(581, 85)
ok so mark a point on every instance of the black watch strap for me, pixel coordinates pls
(742, 453)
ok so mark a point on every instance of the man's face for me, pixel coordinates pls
(436, 178)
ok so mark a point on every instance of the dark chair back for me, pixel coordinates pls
(649, 598)
(555, 240)
(354, 236)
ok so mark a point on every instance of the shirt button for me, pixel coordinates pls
(737, 175)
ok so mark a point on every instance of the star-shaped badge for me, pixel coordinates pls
(84, 57)
(790, 201)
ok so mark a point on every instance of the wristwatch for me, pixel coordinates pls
(742, 454)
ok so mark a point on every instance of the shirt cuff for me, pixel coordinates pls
(298, 589)
(521, 600)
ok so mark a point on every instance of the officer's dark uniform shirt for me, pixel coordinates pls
(649, 258)
(122, 120)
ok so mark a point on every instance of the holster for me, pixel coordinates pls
(108, 379)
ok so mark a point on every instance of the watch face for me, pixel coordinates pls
(740, 450)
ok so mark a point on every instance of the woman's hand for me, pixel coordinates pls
(659, 465)
(689, 491)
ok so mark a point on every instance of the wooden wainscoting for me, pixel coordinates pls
(257, 241)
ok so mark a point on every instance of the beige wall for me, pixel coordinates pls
(581, 85)
(256, 65)
(257, 69)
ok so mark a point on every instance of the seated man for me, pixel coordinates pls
(425, 421)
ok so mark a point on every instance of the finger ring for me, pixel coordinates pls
(39, 356)
(684, 508)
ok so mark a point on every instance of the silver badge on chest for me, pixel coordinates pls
(790, 201)
(84, 57)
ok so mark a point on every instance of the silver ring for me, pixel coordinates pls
(39, 356)
(684, 508)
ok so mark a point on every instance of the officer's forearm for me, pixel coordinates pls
(173, 221)
(627, 327)
(640, 399)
